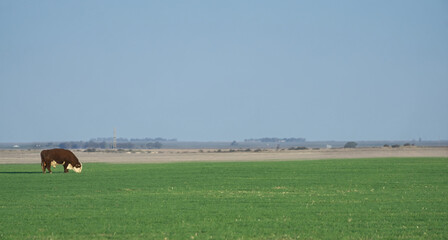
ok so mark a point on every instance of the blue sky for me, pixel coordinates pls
(223, 70)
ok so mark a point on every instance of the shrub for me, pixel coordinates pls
(350, 145)
(297, 148)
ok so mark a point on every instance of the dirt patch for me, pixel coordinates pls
(196, 155)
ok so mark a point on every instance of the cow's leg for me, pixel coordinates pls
(49, 168)
(65, 168)
(43, 162)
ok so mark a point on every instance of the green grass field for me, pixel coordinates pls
(395, 198)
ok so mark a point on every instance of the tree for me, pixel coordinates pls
(65, 145)
(156, 145)
(91, 144)
(103, 144)
(350, 145)
(128, 145)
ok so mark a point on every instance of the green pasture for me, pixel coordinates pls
(393, 198)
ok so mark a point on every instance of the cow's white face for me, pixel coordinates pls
(76, 169)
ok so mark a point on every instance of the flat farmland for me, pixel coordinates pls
(238, 198)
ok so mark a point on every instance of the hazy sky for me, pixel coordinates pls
(223, 70)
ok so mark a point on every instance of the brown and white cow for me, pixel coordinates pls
(52, 157)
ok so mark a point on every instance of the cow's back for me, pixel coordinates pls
(58, 155)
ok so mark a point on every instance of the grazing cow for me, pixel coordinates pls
(55, 156)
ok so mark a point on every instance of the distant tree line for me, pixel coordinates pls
(158, 139)
(109, 139)
(274, 139)
(147, 139)
(153, 145)
(81, 144)
(104, 145)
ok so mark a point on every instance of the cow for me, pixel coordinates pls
(52, 157)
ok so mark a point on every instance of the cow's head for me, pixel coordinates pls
(77, 168)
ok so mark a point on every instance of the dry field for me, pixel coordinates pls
(196, 155)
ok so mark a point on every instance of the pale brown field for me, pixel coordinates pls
(211, 155)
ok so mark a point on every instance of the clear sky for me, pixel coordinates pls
(223, 70)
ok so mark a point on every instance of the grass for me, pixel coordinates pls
(395, 198)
